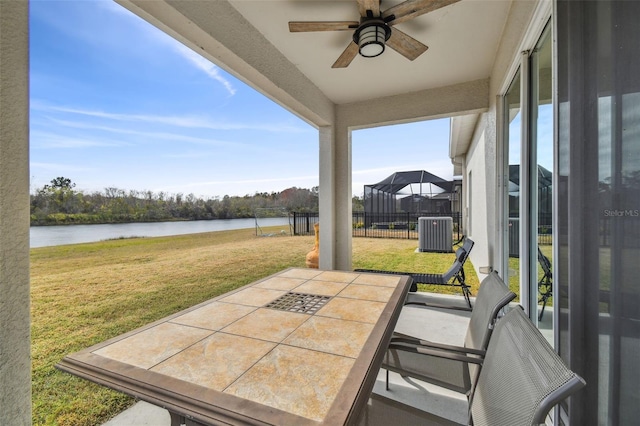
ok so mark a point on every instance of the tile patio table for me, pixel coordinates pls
(301, 347)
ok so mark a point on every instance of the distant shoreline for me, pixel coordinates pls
(50, 235)
(119, 222)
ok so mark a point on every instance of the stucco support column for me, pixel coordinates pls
(15, 342)
(335, 197)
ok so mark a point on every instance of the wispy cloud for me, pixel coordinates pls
(247, 181)
(211, 70)
(136, 28)
(54, 140)
(196, 122)
(59, 166)
(189, 154)
(205, 65)
(147, 135)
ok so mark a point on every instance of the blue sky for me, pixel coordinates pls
(117, 103)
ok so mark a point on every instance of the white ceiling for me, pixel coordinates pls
(462, 39)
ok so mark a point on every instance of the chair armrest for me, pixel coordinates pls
(441, 306)
(403, 339)
(436, 352)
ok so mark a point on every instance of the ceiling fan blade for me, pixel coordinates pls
(306, 26)
(347, 56)
(412, 8)
(406, 45)
(372, 5)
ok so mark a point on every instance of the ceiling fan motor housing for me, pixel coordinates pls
(371, 36)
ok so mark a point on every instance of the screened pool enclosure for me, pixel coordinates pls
(398, 201)
(417, 192)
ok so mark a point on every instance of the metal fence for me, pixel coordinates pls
(303, 223)
(378, 225)
(405, 226)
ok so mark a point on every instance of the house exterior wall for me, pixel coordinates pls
(15, 341)
(476, 174)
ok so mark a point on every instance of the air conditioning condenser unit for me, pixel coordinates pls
(435, 234)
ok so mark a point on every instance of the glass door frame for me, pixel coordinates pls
(528, 203)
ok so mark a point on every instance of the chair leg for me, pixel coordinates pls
(467, 294)
(387, 383)
(544, 296)
(386, 359)
(544, 303)
(176, 419)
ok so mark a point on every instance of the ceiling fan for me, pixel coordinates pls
(374, 30)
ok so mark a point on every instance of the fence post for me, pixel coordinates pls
(408, 227)
(294, 222)
(365, 223)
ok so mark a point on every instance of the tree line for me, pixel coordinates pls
(59, 203)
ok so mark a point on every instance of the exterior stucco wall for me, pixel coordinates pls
(477, 174)
(15, 342)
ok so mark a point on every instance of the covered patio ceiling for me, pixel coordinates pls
(455, 54)
(251, 39)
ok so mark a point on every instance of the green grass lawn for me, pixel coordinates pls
(84, 294)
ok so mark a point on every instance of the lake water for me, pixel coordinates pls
(43, 236)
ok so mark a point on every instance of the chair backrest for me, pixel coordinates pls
(545, 263)
(455, 267)
(462, 253)
(467, 246)
(493, 295)
(522, 377)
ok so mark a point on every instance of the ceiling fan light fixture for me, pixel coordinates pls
(371, 37)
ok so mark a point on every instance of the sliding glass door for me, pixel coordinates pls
(528, 194)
